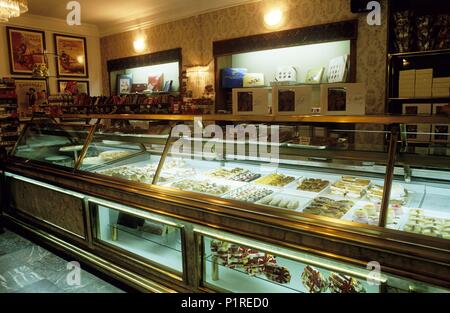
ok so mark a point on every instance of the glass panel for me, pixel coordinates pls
(58, 144)
(240, 265)
(144, 237)
(129, 150)
(422, 181)
(328, 171)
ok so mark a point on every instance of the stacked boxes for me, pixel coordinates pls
(407, 84)
(441, 87)
(441, 132)
(424, 83)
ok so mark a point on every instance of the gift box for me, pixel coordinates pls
(297, 100)
(343, 99)
(233, 77)
(252, 101)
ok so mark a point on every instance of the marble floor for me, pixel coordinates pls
(28, 268)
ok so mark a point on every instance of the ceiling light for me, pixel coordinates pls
(273, 18)
(139, 45)
(12, 8)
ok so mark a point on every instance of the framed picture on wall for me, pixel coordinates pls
(26, 48)
(73, 87)
(72, 52)
(124, 84)
(30, 92)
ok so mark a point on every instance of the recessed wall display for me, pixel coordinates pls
(252, 101)
(343, 99)
(26, 47)
(72, 52)
(73, 87)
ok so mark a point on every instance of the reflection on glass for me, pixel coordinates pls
(425, 198)
(129, 150)
(241, 268)
(56, 144)
(154, 241)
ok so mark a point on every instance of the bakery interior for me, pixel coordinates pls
(274, 146)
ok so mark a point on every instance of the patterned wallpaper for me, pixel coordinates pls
(195, 36)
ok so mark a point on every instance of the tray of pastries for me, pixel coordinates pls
(350, 186)
(114, 155)
(275, 180)
(369, 213)
(421, 222)
(328, 207)
(249, 193)
(143, 174)
(315, 185)
(398, 194)
(211, 188)
(282, 201)
(235, 174)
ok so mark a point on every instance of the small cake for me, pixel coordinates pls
(277, 273)
(345, 284)
(313, 280)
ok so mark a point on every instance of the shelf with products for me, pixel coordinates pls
(314, 189)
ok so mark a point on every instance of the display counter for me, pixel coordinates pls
(239, 204)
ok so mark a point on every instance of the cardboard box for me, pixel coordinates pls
(440, 133)
(252, 101)
(407, 84)
(418, 132)
(252, 80)
(295, 100)
(233, 77)
(343, 99)
(437, 108)
(416, 108)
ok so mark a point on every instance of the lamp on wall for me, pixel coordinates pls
(139, 44)
(12, 8)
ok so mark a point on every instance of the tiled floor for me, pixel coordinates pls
(28, 268)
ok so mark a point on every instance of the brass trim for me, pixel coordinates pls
(389, 178)
(363, 119)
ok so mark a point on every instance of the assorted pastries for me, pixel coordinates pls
(351, 187)
(370, 214)
(114, 155)
(201, 187)
(143, 174)
(398, 194)
(276, 180)
(252, 261)
(419, 223)
(250, 194)
(344, 284)
(236, 174)
(313, 280)
(328, 207)
(280, 202)
(313, 185)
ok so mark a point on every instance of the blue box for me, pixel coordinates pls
(233, 77)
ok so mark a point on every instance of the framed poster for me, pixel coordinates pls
(26, 48)
(73, 87)
(30, 92)
(72, 51)
(124, 84)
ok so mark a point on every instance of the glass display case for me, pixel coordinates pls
(52, 143)
(151, 237)
(236, 264)
(344, 174)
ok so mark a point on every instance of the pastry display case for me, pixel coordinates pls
(247, 204)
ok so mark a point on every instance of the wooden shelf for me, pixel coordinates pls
(419, 53)
(421, 100)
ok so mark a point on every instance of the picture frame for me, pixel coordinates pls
(25, 48)
(23, 86)
(81, 85)
(252, 101)
(124, 84)
(73, 59)
(168, 86)
(294, 100)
